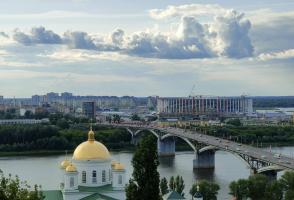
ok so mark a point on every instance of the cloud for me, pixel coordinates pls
(117, 37)
(225, 36)
(3, 34)
(271, 31)
(187, 10)
(287, 54)
(232, 39)
(38, 35)
(79, 40)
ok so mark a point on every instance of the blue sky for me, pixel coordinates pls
(142, 48)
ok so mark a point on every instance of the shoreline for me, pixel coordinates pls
(124, 150)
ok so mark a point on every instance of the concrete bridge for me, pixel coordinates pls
(205, 146)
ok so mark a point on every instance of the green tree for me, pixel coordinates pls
(135, 117)
(257, 186)
(239, 189)
(287, 182)
(172, 184)
(193, 189)
(132, 192)
(13, 189)
(163, 186)
(209, 190)
(274, 191)
(180, 185)
(145, 174)
(116, 118)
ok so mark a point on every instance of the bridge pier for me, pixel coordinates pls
(166, 147)
(270, 174)
(204, 160)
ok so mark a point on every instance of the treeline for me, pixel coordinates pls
(258, 187)
(18, 138)
(253, 134)
(271, 102)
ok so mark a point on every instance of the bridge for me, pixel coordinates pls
(205, 146)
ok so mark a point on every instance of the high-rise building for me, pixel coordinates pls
(89, 109)
(66, 95)
(52, 96)
(204, 105)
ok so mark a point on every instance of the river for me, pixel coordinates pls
(45, 171)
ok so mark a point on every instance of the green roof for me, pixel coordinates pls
(53, 195)
(173, 195)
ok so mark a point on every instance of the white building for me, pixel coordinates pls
(90, 174)
(204, 105)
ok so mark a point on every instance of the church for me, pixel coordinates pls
(90, 174)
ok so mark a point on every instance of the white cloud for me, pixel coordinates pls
(187, 10)
(277, 55)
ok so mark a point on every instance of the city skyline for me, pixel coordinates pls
(161, 48)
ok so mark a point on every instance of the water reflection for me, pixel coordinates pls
(167, 161)
(204, 174)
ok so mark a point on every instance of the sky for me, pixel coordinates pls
(145, 48)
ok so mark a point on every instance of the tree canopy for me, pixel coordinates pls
(11, 188)
(144, 184)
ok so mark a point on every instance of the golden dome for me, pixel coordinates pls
(71, 168)
(119, 166)
(64, 164)
(113, 163)
(91, 149)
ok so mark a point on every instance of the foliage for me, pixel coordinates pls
(287, 182)
(274, 191)
(17, 138)
(116, 118)
(209, 190)
(234, 122)
(145, 174)
(163, 186)
(13, 189)
(239, 189)
(172, 184)
(132, 191)
(177, 184)
(258, 187)
(135, 117)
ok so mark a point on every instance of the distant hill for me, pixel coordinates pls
(273, 101)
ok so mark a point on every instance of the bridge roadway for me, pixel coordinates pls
(226, 145)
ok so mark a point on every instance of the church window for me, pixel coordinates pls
(120, 179)
(94, 177)
(71, 182)
(84, 177)
(103, 176)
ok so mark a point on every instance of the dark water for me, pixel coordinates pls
(45, 170)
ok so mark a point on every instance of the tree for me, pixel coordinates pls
(132, 190)
(193, 189)
(180, 185)
(257, 186)
(234, 122)
(209, 190)
(145, 174)
(163, 186)
(135, 117)
(172, 184)
(116, 118)
(274, 191)
(287, 182)
(13, 189)
(239, 189)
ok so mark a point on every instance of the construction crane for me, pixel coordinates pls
(192, 93)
